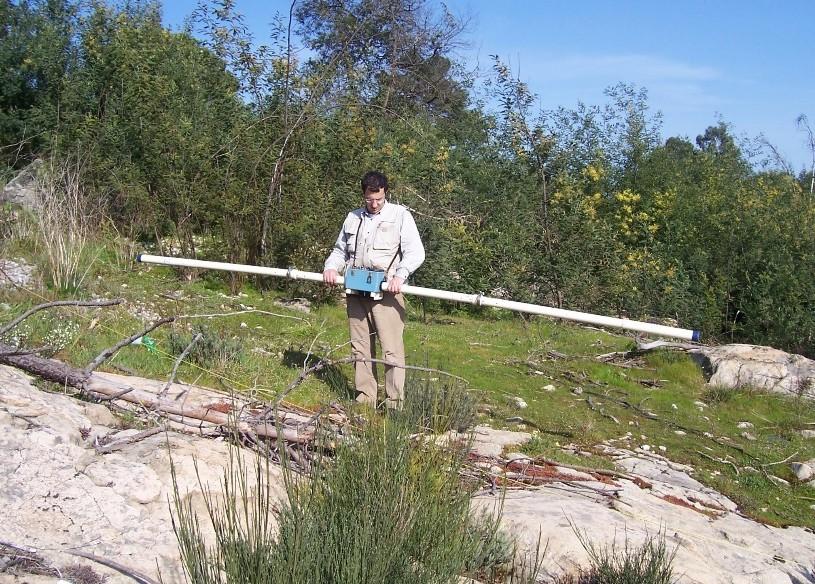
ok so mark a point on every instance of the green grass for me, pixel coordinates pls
(500, 354)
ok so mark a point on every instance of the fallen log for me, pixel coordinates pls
(91, 384)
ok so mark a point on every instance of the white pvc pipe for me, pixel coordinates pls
(476, 299)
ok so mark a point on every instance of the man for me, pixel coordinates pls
(379, 236)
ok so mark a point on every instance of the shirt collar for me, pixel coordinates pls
(369, 214)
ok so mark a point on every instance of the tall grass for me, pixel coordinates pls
(649, 563)
(438, 406)
(384, 508)
(65, 223)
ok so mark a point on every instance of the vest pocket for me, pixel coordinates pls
(386, 236)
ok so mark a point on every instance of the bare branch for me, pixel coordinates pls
(643, 348)
(119, 444)
(45, 305)
(249, 311)
(790, 457)
(109, 352)
(137, 576)
(178, 361)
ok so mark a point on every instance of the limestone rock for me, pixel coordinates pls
(765, 368)
(22, 189)
(58, 493)
(713, 543)
(491, 442)
(801, 470)
(519, 403)
(17, 272)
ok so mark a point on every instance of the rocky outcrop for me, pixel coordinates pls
(22, 189)
(61, 492)
(16, 273)
(653, 497)
(58, 493)
(765, 368)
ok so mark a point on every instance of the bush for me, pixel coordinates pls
(213, 348)
(66, 220)
(385, 509)
(650, 563)
(438, 406)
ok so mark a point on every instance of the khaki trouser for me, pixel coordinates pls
(384, 319)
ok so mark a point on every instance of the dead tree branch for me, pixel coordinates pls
(178, 361)
(119, 444)
(35, 309)
(643, 348)
(110, 351)
(137, 576)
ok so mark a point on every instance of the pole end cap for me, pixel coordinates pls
(696, 337)
(138, 257)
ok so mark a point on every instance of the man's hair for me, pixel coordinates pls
(374, 181)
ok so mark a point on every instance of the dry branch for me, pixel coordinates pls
(119, 444)
(178, 361)
(110, 351)
(643, 348)
(35, 309)
(137, 576)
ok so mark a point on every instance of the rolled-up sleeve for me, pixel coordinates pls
(412, 248)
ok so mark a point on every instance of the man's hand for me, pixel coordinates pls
(330, 277)
(395, 284)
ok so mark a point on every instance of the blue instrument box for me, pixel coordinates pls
(362, 280)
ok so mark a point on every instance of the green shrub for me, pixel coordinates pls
(649, 563)
(215, 347)
(438, 406)
(385, 509)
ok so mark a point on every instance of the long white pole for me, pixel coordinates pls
(476, 299)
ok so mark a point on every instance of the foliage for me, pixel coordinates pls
(385, 509)
(438, 406)
(66, 217)
(203, 136)
(214, 348)
(649, 563)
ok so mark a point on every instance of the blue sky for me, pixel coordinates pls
(748, 63)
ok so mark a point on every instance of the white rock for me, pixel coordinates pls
(730, 548)
(549, 387)
(519, 403)
(748, 436)
(801, 470)
(680, 432)
(744, 425)
(738, 365)
(808, 433)
(67, 496)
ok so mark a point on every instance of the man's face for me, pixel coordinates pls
(374, 200)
